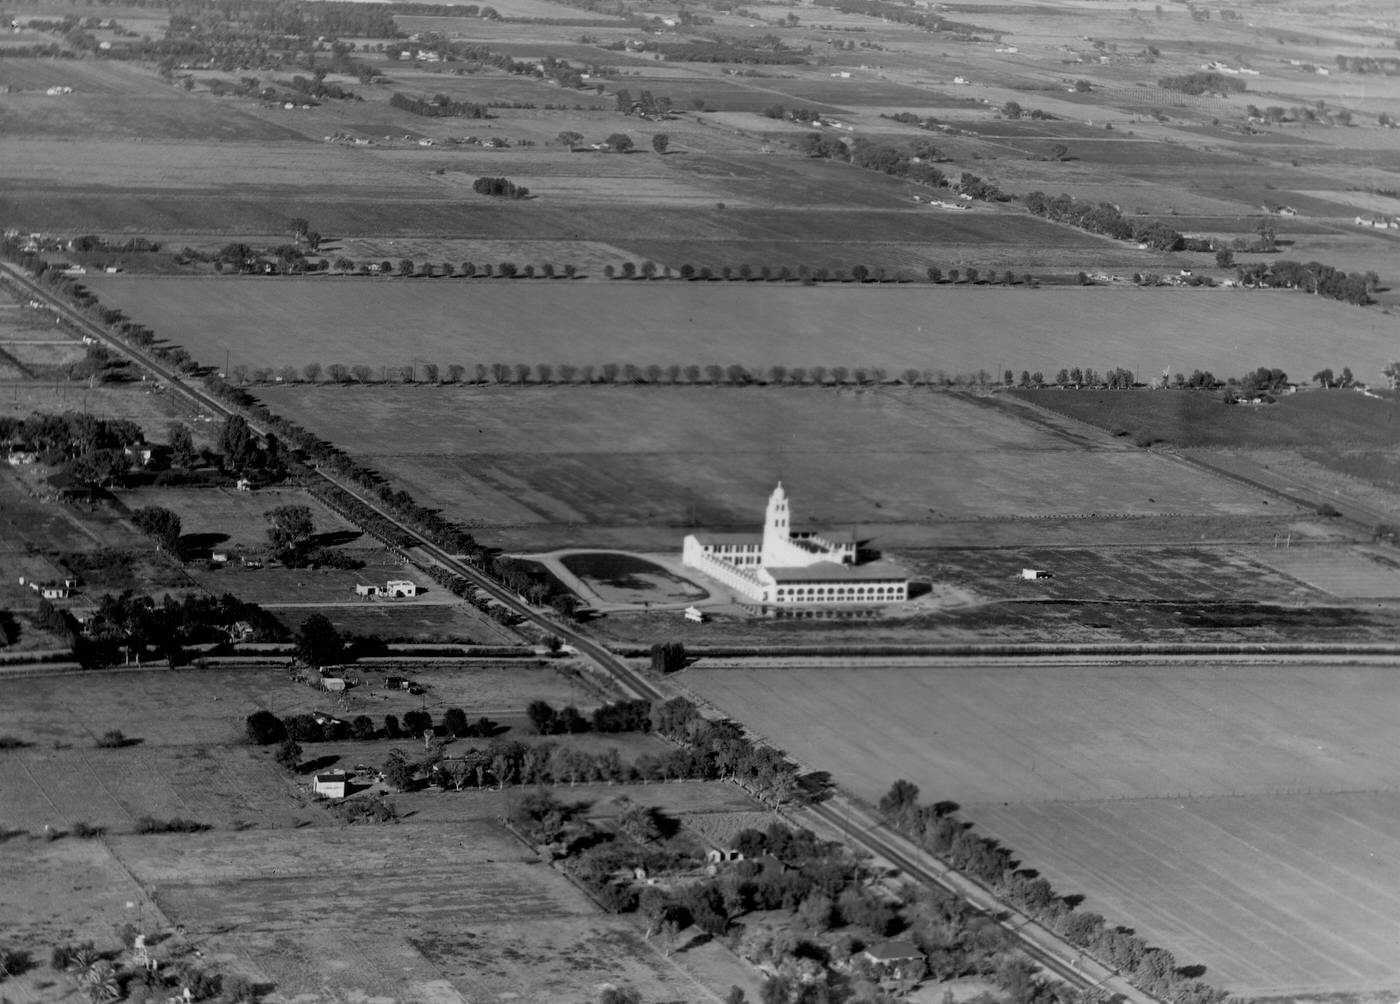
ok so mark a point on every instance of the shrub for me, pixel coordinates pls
(264, 728)
(111, 739)
(87, 831)
(148, 824)
(415, 723)
(289, 754)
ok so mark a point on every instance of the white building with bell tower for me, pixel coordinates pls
(783, 567)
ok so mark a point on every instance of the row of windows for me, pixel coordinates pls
(872, 592)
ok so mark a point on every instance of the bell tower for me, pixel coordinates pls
(777, 528)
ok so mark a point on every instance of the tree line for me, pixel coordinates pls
(439, 106)
(1103, 218)
(128, 627)
(1312, 277)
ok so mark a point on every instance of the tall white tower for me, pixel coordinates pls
(777, 529)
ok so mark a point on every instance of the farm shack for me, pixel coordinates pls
(364, 591)
(695, 615)
(1035, 573)
(400, 588)
(332, 783)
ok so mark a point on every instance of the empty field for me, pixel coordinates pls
(1051, 733)
(756, 325)
(1139, 573)
(531, 464)
(1276, 895)
(1239, 815)
(1357, 573)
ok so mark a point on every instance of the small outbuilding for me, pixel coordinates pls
(1035, 573)
(401, 588)
(695, 615)
(332, 783)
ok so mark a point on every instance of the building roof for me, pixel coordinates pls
(894, 951)
(715, 539)
(332, 776)
(830, 571)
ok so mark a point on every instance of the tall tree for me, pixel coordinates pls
(318, 643)
(292, 526)
(160, 524)
(237, 443)
(660, 142)
(181, 445)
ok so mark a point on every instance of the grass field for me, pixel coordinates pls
(234, 520)
(1239, 815)
(754, 324)
(624, 578)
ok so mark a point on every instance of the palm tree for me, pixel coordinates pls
(101, 983)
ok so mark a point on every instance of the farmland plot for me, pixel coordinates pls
(755, 324)
(1045, 733)
(1131, 574)
(1277, 896)
(547, 459)
(1238, 815)
(479, 916)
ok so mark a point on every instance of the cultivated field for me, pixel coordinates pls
(532, 464)
(1239, 815)
(755, 325)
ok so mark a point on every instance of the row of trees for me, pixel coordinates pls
(617, 716)
(131, 627)
(89, 448)
(1313, 277)
(439, 106)
(707, 750)
(1103, 218)
(263, 728)
(610, 374)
